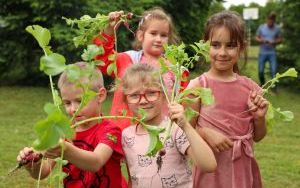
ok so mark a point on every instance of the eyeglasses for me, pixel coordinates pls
(135, 98)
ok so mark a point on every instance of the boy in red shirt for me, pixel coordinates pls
(94, 154)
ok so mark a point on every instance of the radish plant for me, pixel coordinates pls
(58, 126)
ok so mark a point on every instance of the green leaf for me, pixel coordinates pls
(124, 112)
(291, 72)
(155, 143)
(73, 72)
(51, 129)
(52, 64)
(205, 94)
(91, 51)
(111, 68)
(112, 57)
(286, 116)
(42, 35)
(49, 108)
(98, 62)
(57, 174)
(88, 95)
(142, 114)
(190, 113)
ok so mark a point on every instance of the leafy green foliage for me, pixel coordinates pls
(173, 60)
(274, 115)
(88, 27)
(53, 64)
(51, 129)
(41, 34)
(91, 51)
(155, 143)
(57, 174)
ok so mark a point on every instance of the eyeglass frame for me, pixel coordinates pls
(143, 95)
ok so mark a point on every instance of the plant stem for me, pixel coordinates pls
(164, 88)
(40, 173)
(61, 163)
(106, 117)
(52, 91)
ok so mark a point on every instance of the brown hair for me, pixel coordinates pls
(94, 78)
(272, 16)
(156, 13)
(236, 26)
(141, 73)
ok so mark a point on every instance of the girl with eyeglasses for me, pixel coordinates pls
(142, 90)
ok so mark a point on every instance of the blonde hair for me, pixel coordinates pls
(141, 73)
(94, 79)
(156, 13)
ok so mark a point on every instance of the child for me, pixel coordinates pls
(155, 29)
(142, 90)
(237, 117)
(94, 158)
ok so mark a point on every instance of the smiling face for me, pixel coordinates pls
(224, 53)
(154, 37)
(148, 98)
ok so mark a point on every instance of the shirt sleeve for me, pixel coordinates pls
(108, 43)
(181, 141)
(111, 136)
(258, 31)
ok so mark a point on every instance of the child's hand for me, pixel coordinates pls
(27, 156)
(258, 105)
(114, 18)
(217, 141)
(176, 114)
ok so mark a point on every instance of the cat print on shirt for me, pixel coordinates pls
(144, 160)
(169, 181)
(181, 140)
(128, 141)
(168, 144)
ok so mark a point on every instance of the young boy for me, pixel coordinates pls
(93, 156)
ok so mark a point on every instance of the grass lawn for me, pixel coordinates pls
(278, 154)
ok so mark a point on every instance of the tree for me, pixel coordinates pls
(19, 52)
(289, 52)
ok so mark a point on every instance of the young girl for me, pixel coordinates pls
(237, 117)
(155, 29)
(142, 90)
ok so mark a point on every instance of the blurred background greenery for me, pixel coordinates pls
(19, 52)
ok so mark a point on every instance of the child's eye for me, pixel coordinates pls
(66, 103)
(164, 35)
(153, 33)
(134, 96)
(215, 45)
(232, 45)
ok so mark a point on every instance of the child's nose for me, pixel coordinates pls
(143, 100)
(158, 38)
(223, 50)
(73, 108)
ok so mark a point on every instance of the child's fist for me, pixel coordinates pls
(257, 104)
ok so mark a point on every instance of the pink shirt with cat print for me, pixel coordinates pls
(175, 170)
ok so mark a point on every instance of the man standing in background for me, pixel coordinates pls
(268, 35)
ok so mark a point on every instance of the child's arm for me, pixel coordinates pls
(258, 107)
(199, 151)
(34, 167)
(85, 160)
(216, 140)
